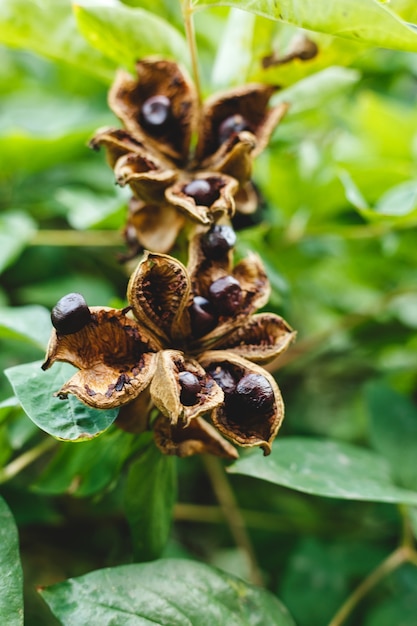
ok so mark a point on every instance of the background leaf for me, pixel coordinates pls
(367, 21)
(164, 592)
(11, 576)
(393, 430)
(326, 468)
(150, 495)
(70, 419)
(30, 323)
(48, 28)
(126, 34)
(16, 230)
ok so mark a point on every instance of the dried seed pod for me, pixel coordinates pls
(190, 388)
(226, 295)
(204, 191)
(70, 314)
(203, 316)
(156, 113)
(218, 241)
(232, 125)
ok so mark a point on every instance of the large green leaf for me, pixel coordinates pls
(367, 21)
(126, 34)
(16, 229)
(170, 592)
(70, 420)
(326, 468)
(393, 430)
(48, 27)
(87, 469)
(149, 500)
(11, 577)
(30, 323)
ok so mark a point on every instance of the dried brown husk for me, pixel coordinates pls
(197, 438)
(254, 430)
(159, 291)
(156, 226)
(166, 389)
(157, 77)
(116, 359)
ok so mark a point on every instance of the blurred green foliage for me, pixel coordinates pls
(336, 231)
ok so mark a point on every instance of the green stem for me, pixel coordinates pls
(187, 13)
(232, 514)
(81, 238)
(21, 462)
(401, 555)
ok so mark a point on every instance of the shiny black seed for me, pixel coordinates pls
(203, 316)
(224, 378)
(231, 126)
(70, 314)
(217, 242)
(253, 394)
(190, 388)
(226, 295)
(204, 192)
(156, 112)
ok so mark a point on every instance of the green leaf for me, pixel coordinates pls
(30, 323)
(48, 28)
(234, 54)
(11, 576)
(393, 430)
(126, 34)
(150, 496)
(16, 230)
(69, 420)
(86, 469)
(169, 592)
(364, 21)
(325, 468)
(311, 92)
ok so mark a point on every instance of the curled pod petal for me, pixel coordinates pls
(253, 409)
(159, 292)
(117, 143)
(148, 177)
(153, 226)
(247, 107)
(197, 438)
(181, 389)
(204, 208)
(133, 101)
(259, 338)
(116, 359)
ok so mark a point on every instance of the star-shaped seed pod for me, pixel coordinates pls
(160, 113)
(189, 344)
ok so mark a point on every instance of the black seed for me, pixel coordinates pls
(226, 295)
(203, 191)
(190, 388)
(231, 126)
(156, 112)
(217, 242)
(224, 378)
(203, 316)
(253, 394)
(70, 314)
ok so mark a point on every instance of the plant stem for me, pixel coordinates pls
(187, 13)
(400, 556)
(21, 462)
(232, 514)
(79, 238)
